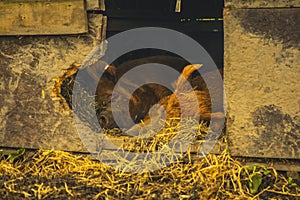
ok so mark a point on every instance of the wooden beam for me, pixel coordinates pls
(42, 17)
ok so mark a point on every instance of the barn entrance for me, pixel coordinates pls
(32, 110)
(41, 54)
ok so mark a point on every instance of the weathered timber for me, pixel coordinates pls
(41, 17)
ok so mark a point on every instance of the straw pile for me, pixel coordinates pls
(49, 174)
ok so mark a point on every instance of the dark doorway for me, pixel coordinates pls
(201, 20)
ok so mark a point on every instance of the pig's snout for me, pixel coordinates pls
(103, 120)
(106, 120)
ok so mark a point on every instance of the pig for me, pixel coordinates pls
(148, 95)
(140, 101)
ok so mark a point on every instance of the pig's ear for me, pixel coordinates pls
(111, 73)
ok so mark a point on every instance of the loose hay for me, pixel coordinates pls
(60, 175)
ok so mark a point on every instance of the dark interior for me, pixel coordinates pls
(201, 20)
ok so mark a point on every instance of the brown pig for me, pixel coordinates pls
(140, 101)
(148, 95)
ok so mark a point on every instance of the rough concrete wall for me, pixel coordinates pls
(31, 115)
(262, 3)
(261, 75)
